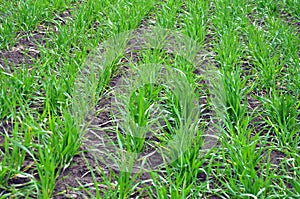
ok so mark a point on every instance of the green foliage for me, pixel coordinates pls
(253, 99)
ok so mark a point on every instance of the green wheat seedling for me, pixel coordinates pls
(166, 14)
(281, 113)
(137, 100)
(179, 179)
(195, 20)
(229, 102)
(292, 7)
(266, 66)
(239, 146)
(184, 138)
(118, 21)
(6, 32)
(18, 147)
(13, 165)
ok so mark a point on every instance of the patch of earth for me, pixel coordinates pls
(25, 51)
(77, 175)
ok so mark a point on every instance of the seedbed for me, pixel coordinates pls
(149, 99)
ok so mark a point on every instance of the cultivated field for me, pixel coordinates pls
(150, 99)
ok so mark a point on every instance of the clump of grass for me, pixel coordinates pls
(281, 113)
(195, 20)
(167, 12)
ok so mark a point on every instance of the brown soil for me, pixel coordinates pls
(24, 52)
(75, 175)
